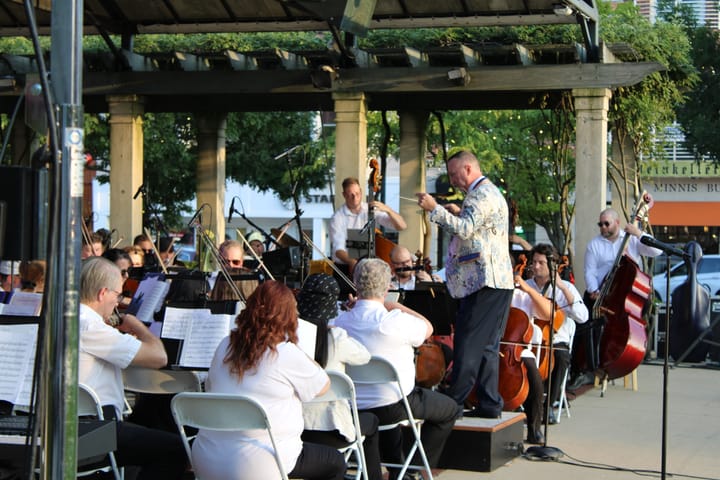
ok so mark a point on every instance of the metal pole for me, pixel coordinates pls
(60, 369)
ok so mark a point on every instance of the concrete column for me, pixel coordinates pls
(126, 160)
(622, 175)
(412, 179)
(211, 170)
(350, 141)
(591, 107)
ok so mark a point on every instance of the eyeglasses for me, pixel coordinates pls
(120, 295)
(124, 273)
(603, 224)
(235, 263)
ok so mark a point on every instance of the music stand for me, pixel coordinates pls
(433, 301)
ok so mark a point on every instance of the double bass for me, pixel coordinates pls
(378, 245)
(622, 300)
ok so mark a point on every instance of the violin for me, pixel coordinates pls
(547, 362)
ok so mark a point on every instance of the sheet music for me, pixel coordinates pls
(16, 356)
(307, 334)
(177, 321)
(148, 298)
(203, 336)
(24, 304)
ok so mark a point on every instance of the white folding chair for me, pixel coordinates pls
(563, 402)
(376, 371)
(222, 412)
(343, 390)
(88, 405)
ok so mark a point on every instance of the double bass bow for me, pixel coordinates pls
(622, 300)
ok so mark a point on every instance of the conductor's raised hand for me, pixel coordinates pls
(426, 201)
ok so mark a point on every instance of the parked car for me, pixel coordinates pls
(708, 275)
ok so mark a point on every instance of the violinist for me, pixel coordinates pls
(353, 214)
(568, 300)
(405, 272)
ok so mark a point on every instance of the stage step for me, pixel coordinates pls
(482, 444)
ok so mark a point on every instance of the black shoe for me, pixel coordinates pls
(480, 413)
(535, 436)
(580, 380)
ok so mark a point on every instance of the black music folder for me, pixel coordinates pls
(433, 301)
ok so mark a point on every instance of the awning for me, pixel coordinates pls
(685, 214)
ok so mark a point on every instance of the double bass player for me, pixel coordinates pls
(600, 255)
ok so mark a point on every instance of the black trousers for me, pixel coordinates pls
(533, 404)
(586, 344)
(159, 454)
(439, 412)
(371, 445)
(319, 462)
(479, 325)
(561, 365)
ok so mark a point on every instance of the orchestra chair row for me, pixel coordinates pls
(88, 405)
(342, 389)
(221, 412)
(379, 371)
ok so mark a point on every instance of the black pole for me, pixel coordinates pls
(666, 371)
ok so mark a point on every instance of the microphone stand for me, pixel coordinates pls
(544, 451)
(267, 236)
(304, 249)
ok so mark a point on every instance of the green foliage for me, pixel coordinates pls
(700, 114)
(255, 139)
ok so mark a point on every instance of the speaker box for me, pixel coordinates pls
(24, 190)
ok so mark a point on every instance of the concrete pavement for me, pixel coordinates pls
(619, 436)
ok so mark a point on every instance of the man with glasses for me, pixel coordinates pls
(104, 351)
(405, 272)
(599, 259)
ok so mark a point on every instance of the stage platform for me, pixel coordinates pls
(482, 444)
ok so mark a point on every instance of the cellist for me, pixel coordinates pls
(533, 304)
(567, 300)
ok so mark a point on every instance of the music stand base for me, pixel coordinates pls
(544, 452)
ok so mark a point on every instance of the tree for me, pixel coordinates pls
(700, 114)
(637, 111)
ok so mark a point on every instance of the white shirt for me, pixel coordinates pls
(327, 416)
(343, 219)
(104, 352)
(409, 285)
(600, 256)
(280, 383)
(574, 309)
(391, 335)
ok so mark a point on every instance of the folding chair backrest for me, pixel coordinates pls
(221, 412)
(377, 370)
(88, 403)
(150, 380)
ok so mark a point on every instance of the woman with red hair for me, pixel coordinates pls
(260, 359)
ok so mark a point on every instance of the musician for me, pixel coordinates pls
(9, 275)
(353, 214)
(600, 256)
(391, 330)
(405, 272)
(568, 300)
(233, 254)
(260, 358)
(92, 249)
(104, 352)
(255, 239)
(479, 273)
(533, 304)
(146, 244)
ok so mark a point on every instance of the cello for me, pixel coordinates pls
(546, 361)
(514, 385)
(622, 300)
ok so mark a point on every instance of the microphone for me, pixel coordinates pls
(287, 152)
(140, 190)
(232, 210)
(667, 248)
